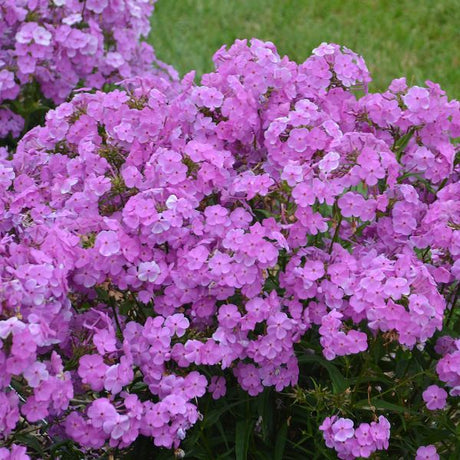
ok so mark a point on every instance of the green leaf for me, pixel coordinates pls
(402, 142)
(280, 443)
(223, 435)
(30, 441)
(265, 408)
(242, 435)
(381, 404)
(262, 213)
(214, 415)
(339, 382)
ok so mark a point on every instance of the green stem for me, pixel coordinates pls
(116, 319)
(452, 307)
(336, 234)
(402, 383)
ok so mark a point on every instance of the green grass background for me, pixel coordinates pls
(418, 39)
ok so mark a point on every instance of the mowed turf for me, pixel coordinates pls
(418, 39)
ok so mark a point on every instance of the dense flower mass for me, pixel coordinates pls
(349, 442)
(161, 233)
(448, 367)
(51, 47)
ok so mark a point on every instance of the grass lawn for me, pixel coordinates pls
(419, 39)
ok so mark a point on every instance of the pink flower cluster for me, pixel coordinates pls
(62, 44)
(162, 229)
(350, 442)
(448, 367)
(15, 453)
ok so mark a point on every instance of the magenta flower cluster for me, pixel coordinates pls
(62, 44)
(163, 229)
(448, 367)
(350, 443)
(15, 453)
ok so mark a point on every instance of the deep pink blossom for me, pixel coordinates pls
(435, 397)
(427, 453)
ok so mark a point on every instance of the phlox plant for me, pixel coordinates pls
(263, 265)
(48, 48)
